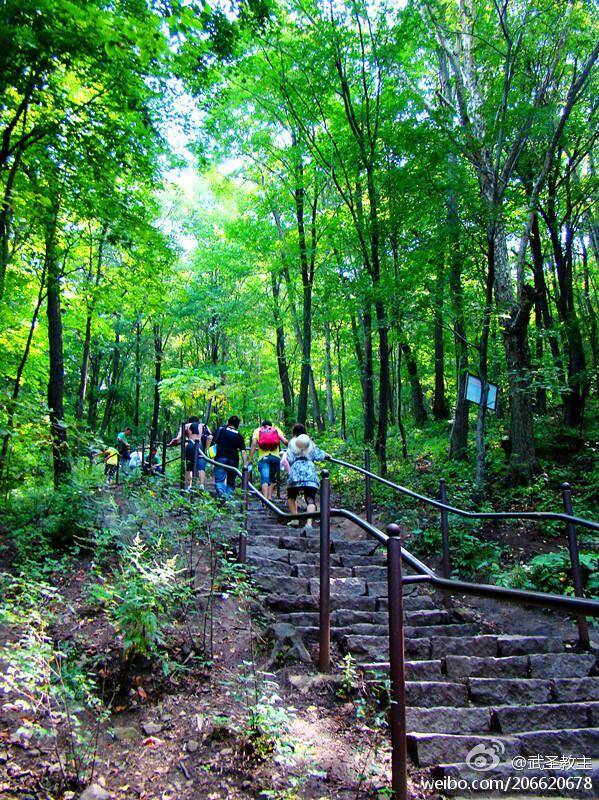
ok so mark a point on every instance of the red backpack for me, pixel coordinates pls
(268, 439)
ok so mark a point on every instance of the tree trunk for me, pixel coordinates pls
(137, 373)
(328, 371)
(341, 386)
(112, 386)
(283, 367)
(369, 415)
(94, 381)
(58, 429)
(157, 378)
(440, 406)
(400, 425)
(418, 408)
(578, 382)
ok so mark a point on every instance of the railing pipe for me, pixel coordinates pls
(532, 515)
(324, 649)
(118, 469)
(397, 666)
(182, 451)
(566, 604)
(242, 549)
(143, 453)
(445, 539)
(367, 485)
(583, 628)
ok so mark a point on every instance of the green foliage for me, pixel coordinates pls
(471, 556)
(264, 722)
(552, 572)
(141, 596)
(46, 525)
(50, 687)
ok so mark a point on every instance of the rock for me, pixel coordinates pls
(125, 733)
(95, 792)
(288, 642)
(192, 746)
(151, 728)
(307, 683)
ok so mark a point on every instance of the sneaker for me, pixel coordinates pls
(295, 523)
(202, 487)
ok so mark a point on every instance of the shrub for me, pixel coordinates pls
(141, 597)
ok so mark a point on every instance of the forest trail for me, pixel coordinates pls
(469, 683)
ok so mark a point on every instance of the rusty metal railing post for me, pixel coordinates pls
(118, 469)
(583, 628)
(367, 486)
(164, 442)
(324, 639)
(242, 549)
(397, 666)
(445, 539)
(182, 468)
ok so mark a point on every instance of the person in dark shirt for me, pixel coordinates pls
(229, 443)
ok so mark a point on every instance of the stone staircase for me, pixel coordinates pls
(468, 686)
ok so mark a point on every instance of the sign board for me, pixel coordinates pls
(474, 390)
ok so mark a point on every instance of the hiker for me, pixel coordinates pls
(267, 440)
(110, 456)
(303, 478)
(195, 431)
(229, 443)
(124, 449)
(297, 430)
(152, 464)
(135, 460)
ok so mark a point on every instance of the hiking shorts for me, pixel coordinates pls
(269, 467)
(309, 493)
(189, 453)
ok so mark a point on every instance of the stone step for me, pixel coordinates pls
(415, 670)
(430, 617)
(568, 690)
(357, 560)
(447, 719)
(371, 572)
(574, 742)
(551, 716)
(303, 557)
(526, 645)
(279, 585)
(263, 540)
(566, 665)
(429, 694)
(313, 571)
(497, 691)
(462, 629)
(307, 602)
(257, 552)
(562, 665)
(359, 548)
(376, 647)
(340, 587)
(268, 568)
(429, 749)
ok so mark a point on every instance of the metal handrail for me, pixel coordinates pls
(533, 515)
(396, 554)
(525, 597)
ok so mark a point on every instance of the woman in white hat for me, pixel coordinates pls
(303, 478)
